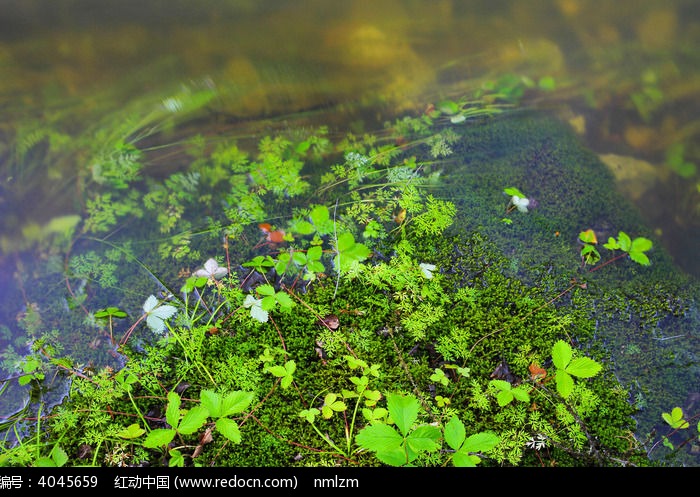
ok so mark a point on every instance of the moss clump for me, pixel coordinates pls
(453, 308)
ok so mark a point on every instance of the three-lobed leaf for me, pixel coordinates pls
(156, 315)
(675, 419)
(348, 252)
(581, 367)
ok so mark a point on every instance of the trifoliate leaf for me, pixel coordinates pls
(211, 270)
(256, 310)
(157, 314)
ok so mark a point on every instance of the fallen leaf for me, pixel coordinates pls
(536, 372)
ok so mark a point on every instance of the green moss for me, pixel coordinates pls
(499, 297)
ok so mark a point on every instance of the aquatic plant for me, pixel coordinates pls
(634, 249)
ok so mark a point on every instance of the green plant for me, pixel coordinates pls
(109, 313)
(517, 200)
(675, 419)
(567, 367)
(270, 299)
(220, 408)
(506, 392)
(467, 450)
(635, 249)
(333, 403)
(676, 160)
(408, 296)
(403, 444)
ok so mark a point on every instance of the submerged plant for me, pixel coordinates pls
(635, 249)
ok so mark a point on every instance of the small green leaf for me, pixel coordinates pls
(177, 460)
(521, 394)
(172, 411)
(394, 457)
(641, 244)
(348, 252)
(675, 420)
(158, 438)
(561, 354)
(319, 215)
(212, 401)
(193, 420)
(480, 442)
(514, 192)
(379, 438)
(455, 433)
(331, 404)
(230, 429)
(114, 312)
(277, 371)
(314, 253)
(640, 258)
(439, 377)
(504, 397)
(624, 241)
(424, 438)
(501, 385)
(590, 254)
(464, 460)
(130, 432)
(564, 382)
(309, 414)
(588, 236)
(59, 456)
(448, 107)
(236, 402)
(583, 367)
(285, 301)
(612, 244)
(303, 227)
(547, 83)
(403, 410)
(265, 289)
(268, 303)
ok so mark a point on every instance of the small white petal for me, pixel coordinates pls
(210, 266)
(220, 272)
(250, 301)
(520, 203)
(211, 270)
(427, 269)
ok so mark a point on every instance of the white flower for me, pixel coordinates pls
(256, 310)
(537, 442)
(520, 203)
(211, 270)
(427, 269)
